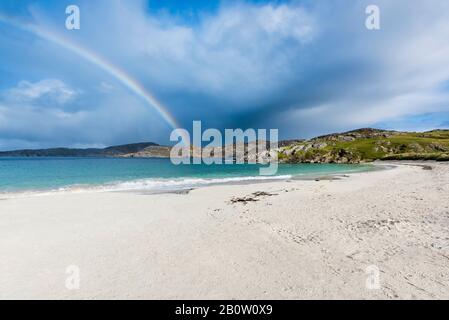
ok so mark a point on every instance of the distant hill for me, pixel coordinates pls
(356, 146)
(154, 151)
(113, 151)
(367, 144)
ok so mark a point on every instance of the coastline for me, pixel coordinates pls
(296, 239)
(156, 185)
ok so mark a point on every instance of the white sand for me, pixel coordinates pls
(311, 240)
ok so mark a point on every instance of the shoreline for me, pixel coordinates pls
(297, 239)
(113, 186)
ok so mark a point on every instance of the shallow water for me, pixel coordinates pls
(45, 174)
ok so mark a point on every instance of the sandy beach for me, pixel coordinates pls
(297, 239)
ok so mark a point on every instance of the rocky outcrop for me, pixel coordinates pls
(368, 144)
(150, 152)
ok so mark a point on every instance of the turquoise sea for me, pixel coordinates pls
(51, 174)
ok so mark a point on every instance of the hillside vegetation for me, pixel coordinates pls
(365, 145)
(362, 145)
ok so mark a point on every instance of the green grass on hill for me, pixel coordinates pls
(366, 145)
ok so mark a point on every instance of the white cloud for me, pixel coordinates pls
(249, 57)
(306, 67)
(117, 119)
(238, 52)
(53, 90)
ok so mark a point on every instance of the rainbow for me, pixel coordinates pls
(126, 79)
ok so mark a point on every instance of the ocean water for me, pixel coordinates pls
(59, 174)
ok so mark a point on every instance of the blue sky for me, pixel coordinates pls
(304, 67)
